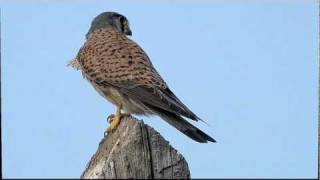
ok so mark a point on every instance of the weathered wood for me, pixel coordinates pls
(135, 150)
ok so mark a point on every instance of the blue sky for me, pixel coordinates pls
(249, 69)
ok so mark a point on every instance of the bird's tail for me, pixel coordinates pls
(184, 126)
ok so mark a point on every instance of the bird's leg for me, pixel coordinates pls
(114, 119)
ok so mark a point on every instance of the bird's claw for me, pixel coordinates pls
(114, 121)
(110, 118)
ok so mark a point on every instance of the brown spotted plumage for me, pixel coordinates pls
(121, 72)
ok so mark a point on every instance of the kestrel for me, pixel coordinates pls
(121, 71)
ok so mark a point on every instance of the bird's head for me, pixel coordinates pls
(111, 19)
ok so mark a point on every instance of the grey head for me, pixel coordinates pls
(111, 19)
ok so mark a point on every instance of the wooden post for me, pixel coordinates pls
(135, 150)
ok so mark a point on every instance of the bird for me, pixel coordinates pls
(120, 70)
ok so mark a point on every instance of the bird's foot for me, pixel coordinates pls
(114, 121)
(110, 118)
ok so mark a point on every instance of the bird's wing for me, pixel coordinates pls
(122, 63)
(159, 103)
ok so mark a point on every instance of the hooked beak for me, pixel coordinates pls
(128, 31)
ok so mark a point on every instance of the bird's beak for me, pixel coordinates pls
(128, 31)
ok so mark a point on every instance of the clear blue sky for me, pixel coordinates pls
(249, 69)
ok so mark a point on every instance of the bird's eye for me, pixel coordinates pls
(123, 21)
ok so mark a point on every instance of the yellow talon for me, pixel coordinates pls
(114, 119)
(110, 118)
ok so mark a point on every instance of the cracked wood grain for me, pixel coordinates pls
(135, 150)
